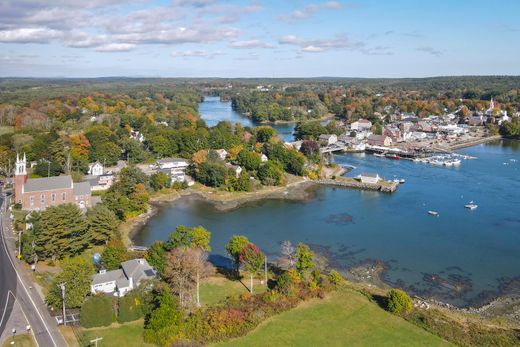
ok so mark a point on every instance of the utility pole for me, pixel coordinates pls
(95, 341)
(19, 244)
(62, 287)
(265, 269)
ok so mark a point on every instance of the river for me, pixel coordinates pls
(212, 110)
(463, 257)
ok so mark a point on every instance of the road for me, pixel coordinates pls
(14, 279)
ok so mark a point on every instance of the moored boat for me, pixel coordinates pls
(433, 213)
(471, 206)
(392, 156)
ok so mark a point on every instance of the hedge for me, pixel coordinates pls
(130, 308)
(97, 311)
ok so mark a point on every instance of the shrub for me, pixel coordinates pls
(399, 301)
(97, 312)
(335, 278)
(130, 308)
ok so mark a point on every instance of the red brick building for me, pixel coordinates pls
(40, 193)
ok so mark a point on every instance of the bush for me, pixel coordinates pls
(130, 308)
(399, 301)
(97, 312)
(335, 278)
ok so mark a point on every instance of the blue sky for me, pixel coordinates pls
(211, 38)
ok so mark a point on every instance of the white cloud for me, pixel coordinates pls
(116, 47)
(29, 35)
(312, 9)
(321, 45)
(249, 44)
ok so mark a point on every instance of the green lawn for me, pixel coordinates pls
(347, 318)
(217, 289)
(128, 335)
(23, 340)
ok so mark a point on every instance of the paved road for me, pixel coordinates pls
(7, 289)
(13, 277)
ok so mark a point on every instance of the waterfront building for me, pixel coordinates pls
(123, 280)
(328, 139)
(102, 182)
(379, 140)
(40, 193)
(369, 177)
(173, 167)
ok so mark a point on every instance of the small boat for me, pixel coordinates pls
(392, 156)
(402, 180)
(434, 213)
(471, 206)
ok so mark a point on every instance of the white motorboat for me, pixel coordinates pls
(471, 206)
(433, 213)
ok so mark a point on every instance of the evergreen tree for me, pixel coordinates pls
(62, 231)
(102, 224)
(303, 257)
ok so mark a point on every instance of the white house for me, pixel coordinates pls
(173, 167)
(369, 177)
(235, 168)
(362, 124)
(102, 182)
(122, 280)
(263, 158)
(222, 153)
(328, 139)
(95, 169)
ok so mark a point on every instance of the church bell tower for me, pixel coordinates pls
(20, 176)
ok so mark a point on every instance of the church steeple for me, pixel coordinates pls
(21, 165)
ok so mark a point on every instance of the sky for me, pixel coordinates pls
(259, 38)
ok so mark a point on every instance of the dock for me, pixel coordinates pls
(348, 182)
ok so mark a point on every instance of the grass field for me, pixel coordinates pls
(23, 340)
(346, 318)
(216, 289)
(6, 130)
(128, 335)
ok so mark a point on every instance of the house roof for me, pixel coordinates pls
(47, 183)
(138, 269)
(231, 166)
(369, 174)
(108, 276)
(170, 160)
(81, 188)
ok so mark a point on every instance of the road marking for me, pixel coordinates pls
(23, 285)
(6, 303)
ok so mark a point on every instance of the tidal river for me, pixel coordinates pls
(463, 257)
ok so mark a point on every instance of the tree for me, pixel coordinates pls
(107, 153)
(270, 174)
(79, 150)
(77, 277)
(183, 270)
(200, 157)
(102, 224)
(308, 130)
(264, 133)
(234, 248)
(242, 183)
(164, 322)
(304, 258)
(399, 301)
(113, 255)
(62, 231)
(287, 250)
(156, 256)
(211, 174)
(335, 278)
(309, 148)
(160, 180)
(249, 160)
(252, 258)
(182, 236)
(47, 168)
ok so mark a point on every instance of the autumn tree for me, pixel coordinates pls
(185, 237)
(252, 258)
(79, 150)
(304, 258)
(234, 248)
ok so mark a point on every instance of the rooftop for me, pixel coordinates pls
(48, 183)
